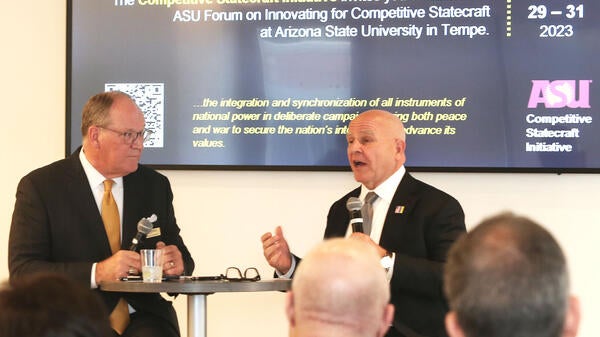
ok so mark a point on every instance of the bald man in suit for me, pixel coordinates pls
(413, 225)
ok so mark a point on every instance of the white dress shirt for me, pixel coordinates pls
(385, 192)
(96, 181)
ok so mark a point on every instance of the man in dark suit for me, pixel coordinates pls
(413, 225)
(57, 224)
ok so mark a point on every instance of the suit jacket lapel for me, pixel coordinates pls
(397, 216)
(82, 199)
(132, 205)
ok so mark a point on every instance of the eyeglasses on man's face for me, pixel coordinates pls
(129, 137)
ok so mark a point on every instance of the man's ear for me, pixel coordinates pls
(573, 317)
(400, 145)
(452, 327)
(289, 308)
(93, 134)
(400, 148)
(388, 319)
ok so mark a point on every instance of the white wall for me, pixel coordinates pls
(222, 214)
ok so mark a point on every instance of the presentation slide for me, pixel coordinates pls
(273, 84)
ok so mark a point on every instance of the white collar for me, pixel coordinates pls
(387, 188)
(95, 178)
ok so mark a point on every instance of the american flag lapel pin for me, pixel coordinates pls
(399, 209)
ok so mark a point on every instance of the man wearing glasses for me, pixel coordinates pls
(78, 216)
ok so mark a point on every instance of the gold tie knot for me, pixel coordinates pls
(108, 186)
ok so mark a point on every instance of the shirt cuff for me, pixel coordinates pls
(93, 283)
(290, 272)
(390, 270)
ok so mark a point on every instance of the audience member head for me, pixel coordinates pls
(508, 278)
(376, 145)
(51, 305)
(113, 130)
(340, 289)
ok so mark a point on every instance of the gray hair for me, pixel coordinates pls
(96, 110)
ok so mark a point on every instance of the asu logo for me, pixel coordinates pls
(560, 94)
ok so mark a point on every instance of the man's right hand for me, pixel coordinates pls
(118, 266)
(276, 251)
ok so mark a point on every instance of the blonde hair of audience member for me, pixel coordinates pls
(340, 289)
(508, 277)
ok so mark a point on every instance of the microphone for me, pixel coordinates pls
(356, 220)
(144, 227)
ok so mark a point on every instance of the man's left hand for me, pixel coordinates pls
(172, 260)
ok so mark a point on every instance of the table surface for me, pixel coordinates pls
(186, 286)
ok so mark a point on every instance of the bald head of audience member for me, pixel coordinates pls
(51, 305)
(508, 278)
(340, 289)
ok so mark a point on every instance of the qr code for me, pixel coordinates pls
(150, 97)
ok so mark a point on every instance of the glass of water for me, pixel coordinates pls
(151, 265)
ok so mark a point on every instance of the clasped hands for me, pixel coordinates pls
(127, 262)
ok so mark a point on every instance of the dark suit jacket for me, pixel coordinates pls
(56, 227)
(420, 236)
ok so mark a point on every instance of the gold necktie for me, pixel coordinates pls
(119, 317)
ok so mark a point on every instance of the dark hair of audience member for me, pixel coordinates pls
(51, 305)
(508, 274)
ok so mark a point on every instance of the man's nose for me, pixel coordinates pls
(354, 147)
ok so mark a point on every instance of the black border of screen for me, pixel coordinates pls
(312, 168)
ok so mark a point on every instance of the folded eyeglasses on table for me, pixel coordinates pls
(233, 274)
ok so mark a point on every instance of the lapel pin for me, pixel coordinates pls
(399, 210)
